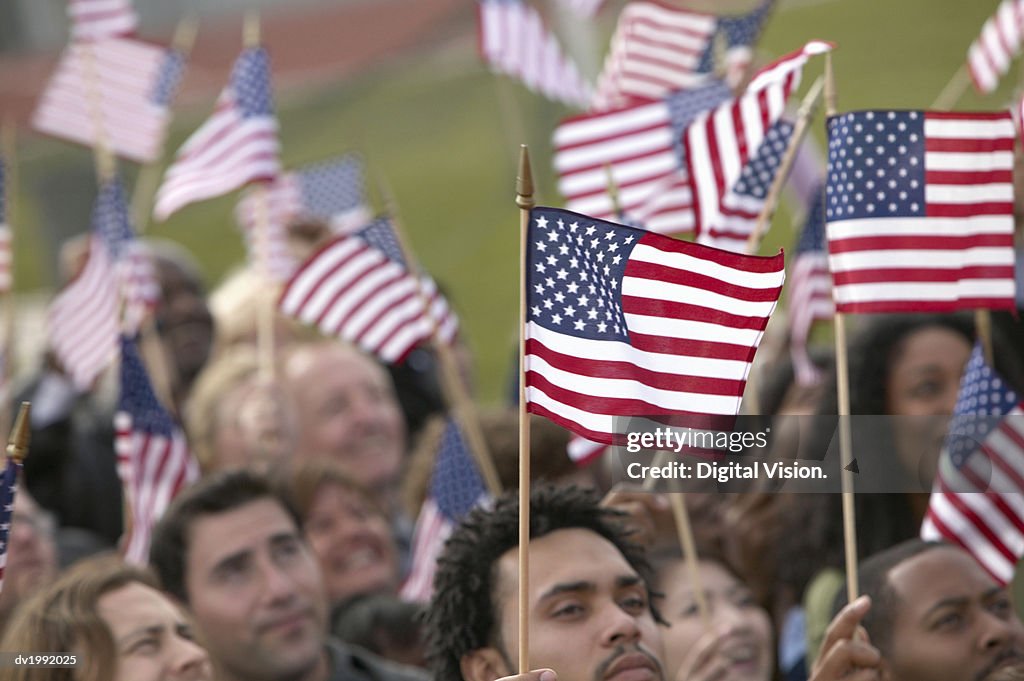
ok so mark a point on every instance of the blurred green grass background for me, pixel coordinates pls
(443, 132)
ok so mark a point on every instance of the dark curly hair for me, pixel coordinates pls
(462, 615)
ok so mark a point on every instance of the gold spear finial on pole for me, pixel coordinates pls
(17, 444)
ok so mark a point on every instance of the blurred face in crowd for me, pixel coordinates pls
(347, 410)
(352, 542)
(255, 591)
(183, 319)
(952, 622)
(31, 551)
(589, 614)
(743, 651)
(254, 427)
(923, 382)
(152, 638)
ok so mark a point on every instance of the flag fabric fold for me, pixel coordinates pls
(117, 90)
(513, 40)
(920, 211)
(236, 145)
(456, 487)
(623, 323)
(8, 490)
(153, 458)
(101, 19)
(977, 499)
(358, 287)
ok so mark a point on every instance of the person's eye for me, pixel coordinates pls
(568, 610)
(145, 646)
(689, 609)
(926, 389)
(949, 621)
(1002, 607)
(635, 603)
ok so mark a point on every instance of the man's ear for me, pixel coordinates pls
(483, 664)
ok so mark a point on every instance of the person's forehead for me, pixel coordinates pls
(567, 556)
(937, 574)
(347, 365)
(244, 528)
(123, 606)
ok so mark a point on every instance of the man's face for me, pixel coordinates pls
(347, 411)
(183, 319)
(588, 610)
(952, 621)
(255, 591)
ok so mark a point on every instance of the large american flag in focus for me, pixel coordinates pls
(455, 488)
(131, 83)
(623, 322)
(8, 488)
(990, 55)
(101, 19)
(513, 40)
(332, 192)
(236, 145)
(153, 458)
(359, 288)
(658, 48)
(977, 499)
(810, 288)
(920, 211)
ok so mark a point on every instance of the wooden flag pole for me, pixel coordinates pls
(106, 167)
(454, 389)
(148, 180)
(807, 110)
(843, 394)
(9, 152)
(685, 534)
(524, 199)
(953, 90)
(613, 191)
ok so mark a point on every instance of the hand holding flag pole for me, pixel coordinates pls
(525, 201)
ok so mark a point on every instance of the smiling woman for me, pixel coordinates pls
(115, 622)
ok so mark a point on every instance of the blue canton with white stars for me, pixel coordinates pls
(456, 484)
(8, 488)
(171, 71)
(575, 270)
(758, 174)
(381, 235)
(332, 188)
(137, 397)
(686, 105)
(812, 239)
(111, 219)
(251, 83)
(984, 399)
(738, 31)
(876, 165)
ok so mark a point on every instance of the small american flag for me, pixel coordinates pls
(920, 211)
(6, 257)
(514, 40)
(101, 19)
(976, 500)
(153, 459)
(332, 192)
(990, 55)
(359, 288)
(641, 144)
(236, 145)
(136, 277)
(810, 289)
(455, 488)
(135, 83)
(8, 488)
(658, 48)
(623, 322)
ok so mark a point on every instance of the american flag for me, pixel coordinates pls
(455, 488)
(582, 451)
(623, 322)
(332, 192)
(6, 257)
(585, 8)
(513, 40)
(358, 287)
(810, 289)
(742, 204)
(153, 459)
(641, 144)
(132, 83)
(84, 318)
(976, 501)
(920, 211)
(8, 488)
(990, 55)
(658, 48)
(236, 145)
(101, 19)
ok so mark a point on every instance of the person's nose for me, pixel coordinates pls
(619, 627)
(188, 660)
